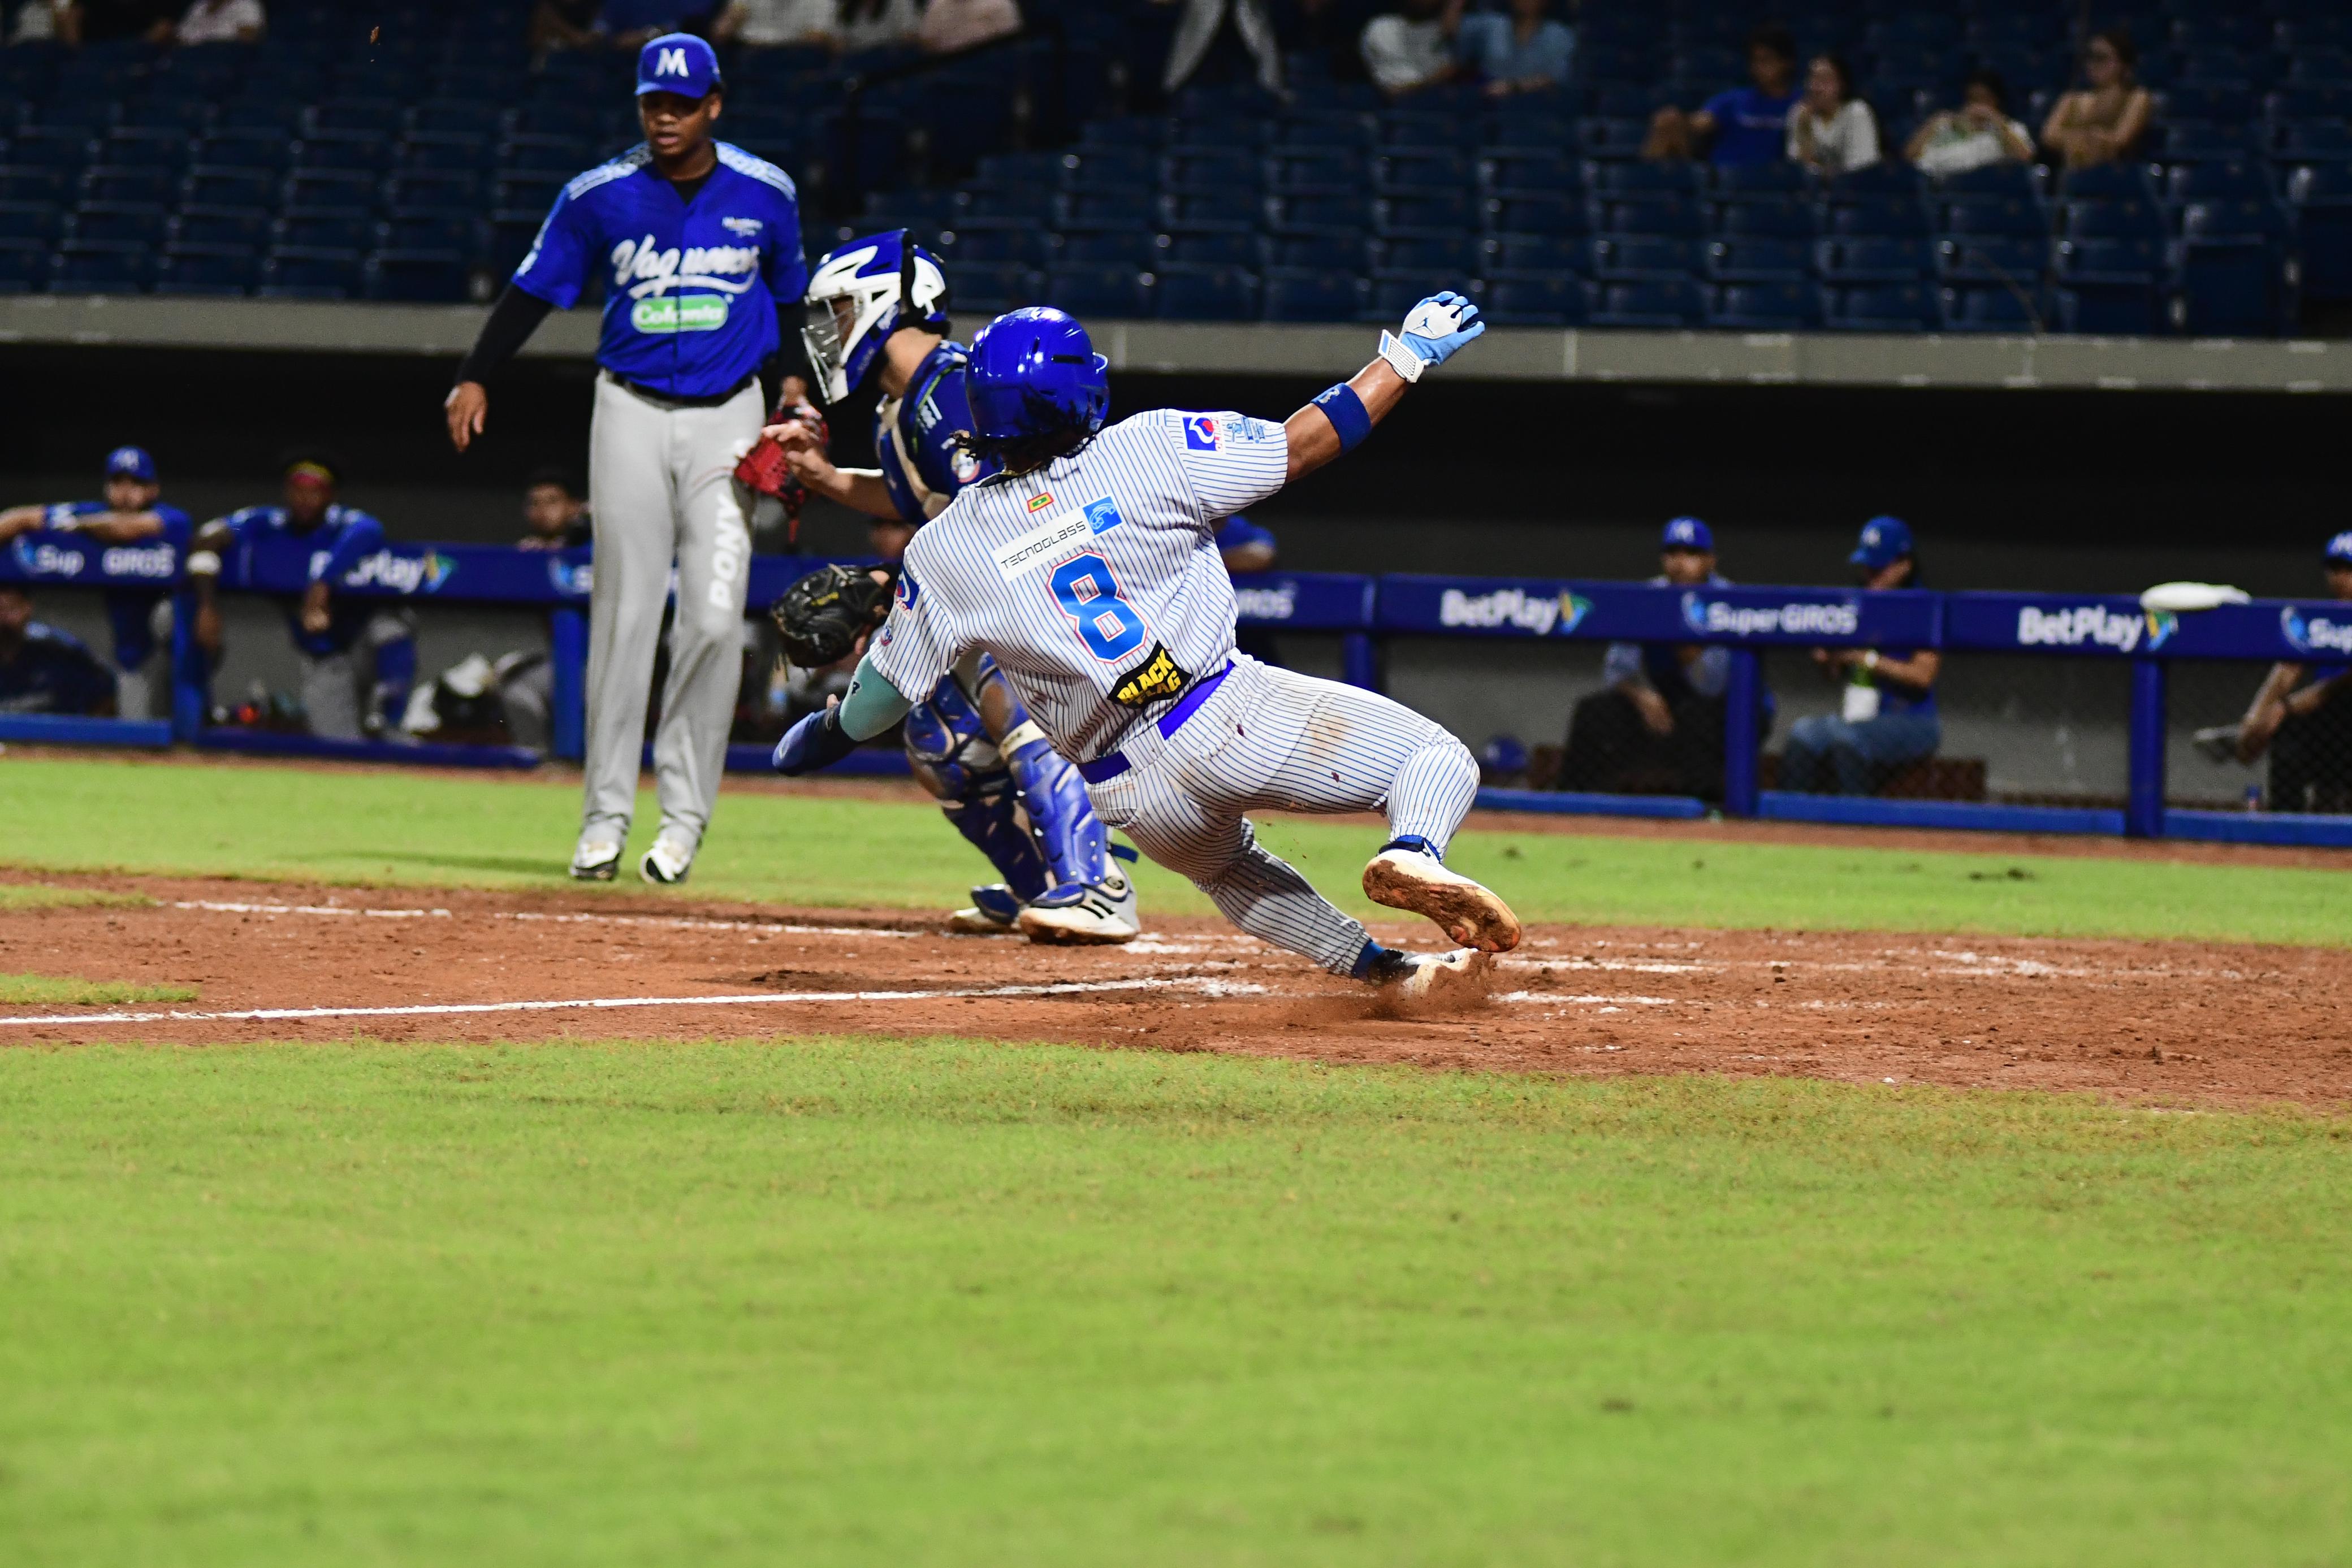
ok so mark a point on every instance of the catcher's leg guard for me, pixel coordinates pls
(952, 755)
(1052, 793)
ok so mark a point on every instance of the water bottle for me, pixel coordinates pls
(2253, 797)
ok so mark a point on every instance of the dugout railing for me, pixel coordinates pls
(1365, 613)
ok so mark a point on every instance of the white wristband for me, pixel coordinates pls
(1401, 359)
(204, 563)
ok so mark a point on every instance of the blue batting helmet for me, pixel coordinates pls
(1035, 376)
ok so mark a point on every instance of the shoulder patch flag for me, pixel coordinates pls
(1201, 432)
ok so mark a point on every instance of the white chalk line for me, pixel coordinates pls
(1209, 988)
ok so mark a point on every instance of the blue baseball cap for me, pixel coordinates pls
(1687, 533)
(131, 463)
(679, 63)
(2340, 550)
(1885, 541)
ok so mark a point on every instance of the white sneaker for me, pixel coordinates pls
(1406, 878)
(1084, 911)
(1439, 978)
(992, 912)
(667, 862)
(595, 860)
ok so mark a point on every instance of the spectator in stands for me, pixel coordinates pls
(1218, 27)
(1740, 125)
(554, 511)
(951, 24)
(330, 632)
(2302, 714)
(1831, 131)
(221, 22)
(564, 25)
(36, 21)
(1976, 135)
(44, 670)
(633, 24)
(2102, 123)
(1887, 718)
(773, 23)
(1412, 48)
(1657, 727)
(862, 25)
(1529, 50)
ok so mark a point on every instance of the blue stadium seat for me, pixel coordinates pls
(2108, 286)
(2014, 181)
(994, 241)
(214, 270)
(1211, 293)
(2226, 289)
(1992, 218)
(1322, 211)
(1880, 179)
(1758, 261)
(1874, 216)
(1297, 293)
(1855, 261)
(1644, 178)
(1447, 213)
(378, 117)
(417, 276)
(1210, 171)
(1404, 129)
(144, 147)
(90, 267)
(1237, 250)
(1391, 294)
(1990, 308)
(2323, 198)
(245, 150)
(1672, 217)
(344, 150)
(1564, 217)
(1782, 219)
(1322, 171)
(214, 228)
(52, 147)
(2305, 100)
(521, 192)
(2107, 181)
(1537, 171)
(309, 275)
(1534, 299)
(87, 115)
(1145, 131)
(1137, 250)
(2307, 141)
(1611, 141)
(1091, 292)
(1345, 251)
(1110, 168)
(509, 236)
(1746, 182)
(323, 231)
(138, 224)
(185, 117)
(414, 191)
(2232, 179)
(1445, 172)
(1784, 307)
(431, 231)
(1134, 207)
(563, 156)
(2186, 142)
(1455, 254)
(103, 183)
(1990, 260)
(30, 223)
(1879, 307)
(2113, 311)
(1636, 259)
(208, 186)
(2259, 217)
(444, 151)
(268, 112)
(464, 117)
(1656, 305)
(342, 190)
(1532, 252)
(2213, 104)
(24, 267)
(2128, 218)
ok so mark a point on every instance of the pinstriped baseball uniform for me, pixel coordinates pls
(1097, 584)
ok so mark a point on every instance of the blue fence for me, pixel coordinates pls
(1363, 611)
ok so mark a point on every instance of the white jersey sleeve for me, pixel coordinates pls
(917, 644)
(1232, 461)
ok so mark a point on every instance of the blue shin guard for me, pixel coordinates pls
(952, 756)
(1055, 798)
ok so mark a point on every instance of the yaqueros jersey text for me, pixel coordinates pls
(1095, 581)
(691, 288)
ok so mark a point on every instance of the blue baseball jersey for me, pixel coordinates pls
(130, 611)
(691, 287)
(923, 465)
(344, 538)
(51, 672)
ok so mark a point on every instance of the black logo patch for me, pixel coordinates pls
(1157, 679)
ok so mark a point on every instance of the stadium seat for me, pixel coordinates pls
(268, 112)
(1783, 306)
(350, 191)
(1874, 216)
(1134, 208)
(24, 267)
(1455, 254)
(67, 148)
(1990, 308)
(1532, 252)
(46, 187)
(30, 223)
(185, 117)
(2128, 218)
(435, 191)
(1878, 308)
(1749, 181)
(1758, 261)
(1322, 171)
(144, 147)
(102, 182)
(995, 242)
(1143, 130)
(2323, 200)
(1189, 292)
(416, 277)
(2235, 179)
(2259, 218)
(377, 118)
(1653, 305)
(1639, 260)
(1644, 178)
(1564, 217)
(1990, 260)
(1449, 213)
(994, 287)
(1858, 261)
(432, 230)
(1535, 171)
(85, 267)
(1213, 248)
(1301, 294)
(1610, 140)
(1388, 295)
(1400, 129)
(208, 186)
(1346, 251)
(2106, 182)
(1321, 212)
(1210, 171)
(1110, 168)
(137, 224)
(2225, 288)
(525, 193)
(1993, 181)
(1669, 217)
(2306, 140)
(1441, 172)
(214, 228)
(2107, 285)
(244, 150)
(212, 270)
(1778, 219)
(454, 118)
(1518, 299)
(1880, 179)
(309, 275)
(322, 231)
(444, 152)
(1992, 218)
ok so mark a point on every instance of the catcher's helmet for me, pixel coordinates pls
(861, 292)
(1035, 376)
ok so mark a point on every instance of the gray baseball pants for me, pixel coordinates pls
(661, 480)
(1271, 739)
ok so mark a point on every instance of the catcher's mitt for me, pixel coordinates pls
(822, 616)
(764, 471)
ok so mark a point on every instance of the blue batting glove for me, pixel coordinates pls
(1434, 331)
(817, 741)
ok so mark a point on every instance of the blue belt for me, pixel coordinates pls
(1111, 764)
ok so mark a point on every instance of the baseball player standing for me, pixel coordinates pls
(701, 246)
(1088, 567)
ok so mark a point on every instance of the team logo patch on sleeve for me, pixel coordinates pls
(1158, 678)
(908, 590)
(1201, 432)
(1103, 514)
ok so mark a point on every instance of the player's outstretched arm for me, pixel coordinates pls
(1433, 332)
(872, 705)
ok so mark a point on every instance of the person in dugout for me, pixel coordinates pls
(129, 511)
(1886, 719)
(2302, 715)
(44, 670)
(333, 633)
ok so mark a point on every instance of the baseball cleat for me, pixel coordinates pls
(2219, 744)
(1404, 876)
(595, 860)
(1084, 911)
(1460, 976)
(993, 910)
(667, 862)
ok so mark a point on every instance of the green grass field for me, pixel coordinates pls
(390, 828)
(878, 1301)
(66, 989)
(857, 1301)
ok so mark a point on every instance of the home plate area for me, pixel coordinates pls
(2169, 1021)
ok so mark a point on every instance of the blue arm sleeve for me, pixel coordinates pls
(362, 535)
(872, 704)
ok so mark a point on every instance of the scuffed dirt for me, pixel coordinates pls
(2175, 1022)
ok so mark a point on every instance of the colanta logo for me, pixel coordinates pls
(1279, 602)
(1799, 618)
(2096, 624)
(1514, 609)
(2315, 634)
(398, 573)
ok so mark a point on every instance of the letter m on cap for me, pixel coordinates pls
(671, 63)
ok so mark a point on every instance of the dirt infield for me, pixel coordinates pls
(2174, 1021)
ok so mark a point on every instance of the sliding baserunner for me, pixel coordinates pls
(1087, 565)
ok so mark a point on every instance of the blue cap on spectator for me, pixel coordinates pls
(679, 63)
(1687, 533)
(2339, 548)
(131, 463)
(1885, 541)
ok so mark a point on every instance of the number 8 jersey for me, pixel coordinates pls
(1095, 580)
